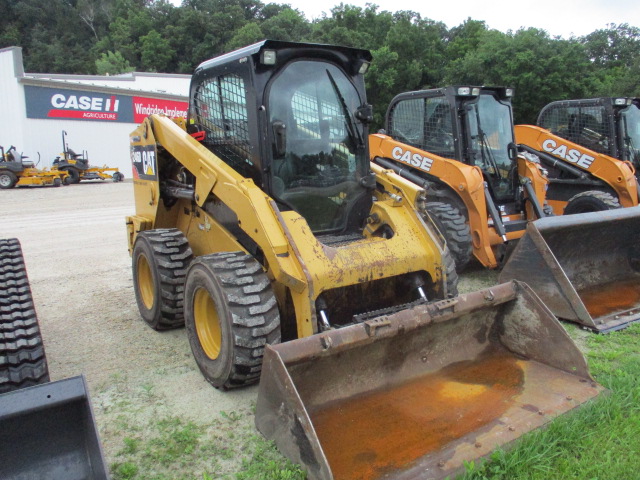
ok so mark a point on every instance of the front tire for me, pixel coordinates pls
(160, 260)
(22, 358)
(591, 201)
(73, 175)
(8, 180)
(231, 313)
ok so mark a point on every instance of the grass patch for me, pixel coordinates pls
(228, 448)
(598, 441)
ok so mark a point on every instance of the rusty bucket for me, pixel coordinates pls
(585, 267)
(415, 394)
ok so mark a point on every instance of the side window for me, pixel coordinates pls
(221, 110)
(406, 123)
(438, 128)
(590, 129)
(424, 123)
(556, 120)
(585, 126)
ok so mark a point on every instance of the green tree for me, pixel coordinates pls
(615, 46)
(464, 38)
(247, 35)
(542, 69)
(112, 63)
(614, 55)
(381, 83)
(287, 25)
(156, 53)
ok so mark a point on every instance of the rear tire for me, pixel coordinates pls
(455, 230)
(160, 260)
(22, 358)
(591, 201)
(57, 182)
(117, 177)
(8, 180)
(231, 313)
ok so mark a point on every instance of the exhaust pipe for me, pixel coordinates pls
(415, 394)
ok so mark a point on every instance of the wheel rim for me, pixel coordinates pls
(5, 180)
(207, 323)
(145, 282)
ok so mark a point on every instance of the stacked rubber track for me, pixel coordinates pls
(22, 357)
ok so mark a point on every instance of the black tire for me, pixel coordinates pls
(452, 274)
(57, 182)
(230, 314)
(455, 230)
(117, 177)
(7, 179)
(591, 201)
(74, 175)
(22, 358)
(160, 260)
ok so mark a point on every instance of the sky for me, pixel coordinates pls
(558, 17)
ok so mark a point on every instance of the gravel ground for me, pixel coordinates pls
(75, 248)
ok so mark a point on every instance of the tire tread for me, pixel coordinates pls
(172, 256)
(254, 312)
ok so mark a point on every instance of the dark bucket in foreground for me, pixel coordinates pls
(415, 394)
(48, 431)
(585, 268)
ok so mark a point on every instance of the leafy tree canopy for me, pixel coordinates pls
(410, 52)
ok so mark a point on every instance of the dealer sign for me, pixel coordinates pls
(58, 103)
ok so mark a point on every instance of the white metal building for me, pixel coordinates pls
(96, 112)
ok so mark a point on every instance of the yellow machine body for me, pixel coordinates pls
(298, 263)
(35, 176)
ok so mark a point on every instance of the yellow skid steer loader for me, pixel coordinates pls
(261, 225)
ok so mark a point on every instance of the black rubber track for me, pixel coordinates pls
(22, 358)
(453, 226)
(591, 201)
(250, 312)
(170, 255)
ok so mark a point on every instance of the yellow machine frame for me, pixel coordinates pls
(296, 260)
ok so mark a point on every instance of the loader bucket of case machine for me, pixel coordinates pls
(415, 394)
(585, 268)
